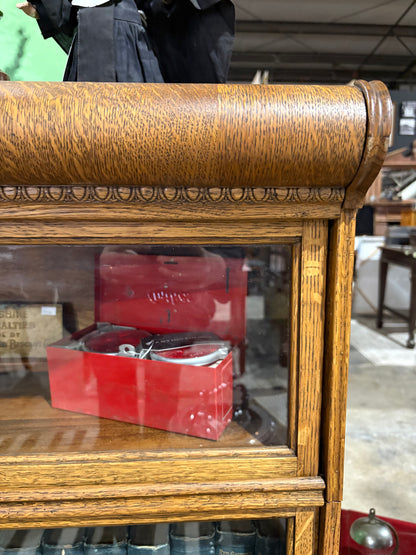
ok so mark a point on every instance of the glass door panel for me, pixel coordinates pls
(112, 348)
(226, 537)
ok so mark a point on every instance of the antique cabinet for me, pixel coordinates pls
(389, 208)
(274, 173)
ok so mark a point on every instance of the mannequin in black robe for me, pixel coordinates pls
(193, 39)
(176, 41)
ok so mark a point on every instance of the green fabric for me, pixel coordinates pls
(24, 54)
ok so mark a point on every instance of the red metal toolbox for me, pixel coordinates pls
(160, 294)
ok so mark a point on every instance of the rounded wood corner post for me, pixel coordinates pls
(338, 310)
(335, 375)
(379, 125)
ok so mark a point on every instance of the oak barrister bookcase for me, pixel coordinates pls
(271, 176)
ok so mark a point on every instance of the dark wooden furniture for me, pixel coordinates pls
(391, 212)
(401, 256)
(87, 164)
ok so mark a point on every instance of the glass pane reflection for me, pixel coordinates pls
(190, 342)
(248, 537)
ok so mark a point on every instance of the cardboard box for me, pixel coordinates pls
(27, 328)
(160, 294)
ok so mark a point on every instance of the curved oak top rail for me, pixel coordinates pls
(194, 135)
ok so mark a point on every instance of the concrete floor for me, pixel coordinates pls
(380, 452)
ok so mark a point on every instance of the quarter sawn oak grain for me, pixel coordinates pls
(107, 163)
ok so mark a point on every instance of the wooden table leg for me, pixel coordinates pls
(412, 314)
(381, 290)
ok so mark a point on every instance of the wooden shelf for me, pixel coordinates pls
(29, 425)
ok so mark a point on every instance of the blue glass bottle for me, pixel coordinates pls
(271, 537)
(236, 537)
(20, 542)
(149, 539)
(107, 540)
(192, 538)
(63, 541)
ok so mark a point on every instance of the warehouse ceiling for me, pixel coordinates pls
(325, 41)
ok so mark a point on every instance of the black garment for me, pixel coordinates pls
(109, 42)
(192, 39)
(57, 20)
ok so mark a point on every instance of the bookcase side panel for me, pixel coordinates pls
(337, 348)
(311, 328)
